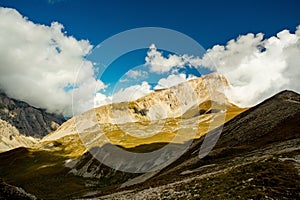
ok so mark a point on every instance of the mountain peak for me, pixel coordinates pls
(157, 116)
(288, 95)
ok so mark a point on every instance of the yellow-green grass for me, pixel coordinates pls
(170, 130)
(174, 130)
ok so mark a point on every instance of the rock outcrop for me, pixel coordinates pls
(11, 138)
(28, 120)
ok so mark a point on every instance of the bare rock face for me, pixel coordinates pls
(28, 120)
(11, 138)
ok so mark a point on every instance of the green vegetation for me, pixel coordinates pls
(41, 173)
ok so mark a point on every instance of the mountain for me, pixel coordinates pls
(256, 157)
(174, 115)
(156, 117)
(21, 124)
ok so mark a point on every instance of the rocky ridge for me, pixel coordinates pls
(28, 120)
(22, 124)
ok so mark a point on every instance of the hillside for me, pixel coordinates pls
(11, 138)
(256, 157)
(11, 192)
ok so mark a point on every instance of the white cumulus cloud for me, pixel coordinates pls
(37, 62)
(130, 93)
(257, 68)
(134, 74)
(172, 80)
(160, 64)
(101, 99)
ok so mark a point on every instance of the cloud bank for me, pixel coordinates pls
(38, 62)
(257, 68)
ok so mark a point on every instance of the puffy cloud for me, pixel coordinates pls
(159, 64)
(130, 93)
(101, 99)
(38, 62)
(84, 94)
(256, 67)
(134, 74)
(172, 80)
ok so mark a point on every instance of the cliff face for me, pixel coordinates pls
(28, 120)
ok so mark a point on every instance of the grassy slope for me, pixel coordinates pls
(41, 173)
(170, 128)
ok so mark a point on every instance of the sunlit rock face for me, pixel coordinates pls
(175, 114)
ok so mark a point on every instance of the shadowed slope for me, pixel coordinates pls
(257, 156)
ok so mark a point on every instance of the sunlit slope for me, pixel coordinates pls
(177, 130)
(176, 114)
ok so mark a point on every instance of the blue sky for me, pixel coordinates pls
(209, 23)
